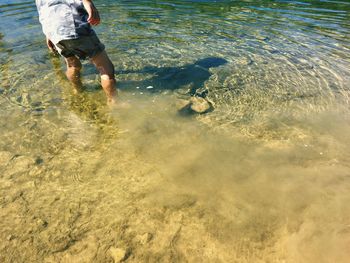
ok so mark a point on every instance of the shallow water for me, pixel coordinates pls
(264, 177)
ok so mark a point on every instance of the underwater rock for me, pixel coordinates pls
(194, 105)
(262, 38)
(245, 61)
(182, 104)
(39, 161)
(5, 157)
(118, 254)
(144, 239)
(19, 164)
(132, 51)
(180, 202)
(60, 242)
(200, 105)
(10, 237)
(41, 224)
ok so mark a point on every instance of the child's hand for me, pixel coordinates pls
(94, 17)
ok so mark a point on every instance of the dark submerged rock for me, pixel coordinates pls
(194, 105)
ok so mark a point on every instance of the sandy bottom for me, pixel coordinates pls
(146, 185)
(265, 177)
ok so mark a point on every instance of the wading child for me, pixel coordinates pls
(67, 26)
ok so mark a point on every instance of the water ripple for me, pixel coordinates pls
(276, 51)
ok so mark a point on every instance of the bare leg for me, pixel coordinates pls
(106, 69)
(73, 72)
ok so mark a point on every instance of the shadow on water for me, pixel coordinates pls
(189, 78)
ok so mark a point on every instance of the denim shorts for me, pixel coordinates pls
(82, 47)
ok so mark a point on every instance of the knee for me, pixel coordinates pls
(108, 77)
(74, 69)
(107, 71)
(73, 64)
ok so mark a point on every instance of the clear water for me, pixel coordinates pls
(265, 177)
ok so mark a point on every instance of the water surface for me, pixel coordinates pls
(264, 177)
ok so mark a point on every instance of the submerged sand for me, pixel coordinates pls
(143, 185)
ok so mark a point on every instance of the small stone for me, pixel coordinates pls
(144, 239)
(132, 51)
(200, 105)
(42, 223)
(38, 161)
(245, 61)
(21, 163)
(262, 38)
(5, 157)
(26, 98)
(149, 87)
(10, 237)
(118, 254)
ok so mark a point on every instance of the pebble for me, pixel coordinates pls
(149, 87)
(21, 163)
(144, 239)
(132, 51)
(38, 161)
(42, 223)
(5, 157)
(246, 61)
(263, 38)
(118, 254)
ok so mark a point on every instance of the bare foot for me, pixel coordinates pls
(111, 101)
(118, 104)
(77, 89)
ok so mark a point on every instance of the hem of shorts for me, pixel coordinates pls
(70, 37)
